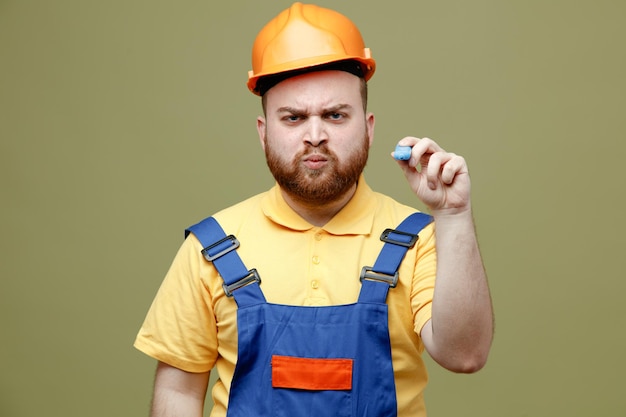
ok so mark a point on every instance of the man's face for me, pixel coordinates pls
(316, 135)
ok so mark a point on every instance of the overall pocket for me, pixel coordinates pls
(311, 386)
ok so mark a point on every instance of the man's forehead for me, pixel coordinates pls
(320, 88)
(319, 77)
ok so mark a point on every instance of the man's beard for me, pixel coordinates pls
(317, 186)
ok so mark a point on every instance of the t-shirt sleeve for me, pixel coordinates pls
(180, 327)
(424, 278)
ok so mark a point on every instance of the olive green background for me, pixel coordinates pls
(122, 122)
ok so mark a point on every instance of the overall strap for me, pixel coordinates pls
(239, 282)
(377, 279)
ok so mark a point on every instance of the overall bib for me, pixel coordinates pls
(311, 361)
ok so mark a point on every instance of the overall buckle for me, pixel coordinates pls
(368, 273)
(252, 277)
(387, 237)
(234, 244)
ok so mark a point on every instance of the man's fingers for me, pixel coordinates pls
(420, 148)
(443, 167)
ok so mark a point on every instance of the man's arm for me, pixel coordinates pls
(178, 393)
(460, 332)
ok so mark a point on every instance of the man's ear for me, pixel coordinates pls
(370, 121)
(261, 129)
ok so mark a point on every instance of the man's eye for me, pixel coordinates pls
(335, 116)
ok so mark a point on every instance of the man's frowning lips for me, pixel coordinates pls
(315, 160)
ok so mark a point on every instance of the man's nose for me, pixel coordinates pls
(316, 132)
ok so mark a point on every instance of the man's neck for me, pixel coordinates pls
(316, 214)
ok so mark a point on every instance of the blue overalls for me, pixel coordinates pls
(311, 361)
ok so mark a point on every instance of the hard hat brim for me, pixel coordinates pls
(313, 63)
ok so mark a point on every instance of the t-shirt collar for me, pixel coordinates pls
(355, 218)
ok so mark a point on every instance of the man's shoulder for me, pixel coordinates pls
(242, 206)
(242, 212)
(390, 209)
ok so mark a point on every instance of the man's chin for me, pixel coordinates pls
(320, 193)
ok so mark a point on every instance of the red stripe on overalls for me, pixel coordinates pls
(311, 373)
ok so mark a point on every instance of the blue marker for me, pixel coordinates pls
(402, 153)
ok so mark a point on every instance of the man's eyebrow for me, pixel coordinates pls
(337, 108)
(293, 110)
